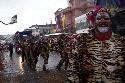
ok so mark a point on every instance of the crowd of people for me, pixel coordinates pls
(94, 57)
(4, 47)
(31, 48)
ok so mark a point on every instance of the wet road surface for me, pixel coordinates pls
(13, 71)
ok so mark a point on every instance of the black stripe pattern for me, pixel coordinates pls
(96, 61)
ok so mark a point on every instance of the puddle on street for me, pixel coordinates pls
(14, 66)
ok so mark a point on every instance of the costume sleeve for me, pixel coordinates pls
(75, 61)
(123, 53)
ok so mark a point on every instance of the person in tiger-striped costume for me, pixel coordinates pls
(99, 55)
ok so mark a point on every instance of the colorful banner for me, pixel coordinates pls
(54, 30)
(61, 22)
(111, 3)
(49, 31)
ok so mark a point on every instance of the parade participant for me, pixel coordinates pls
(119, 23)
(17, 48)
(64, 58)
(22, 47)
(11, 49)
(27, 51)
(34, 55)
(44, 52)
(99, 55)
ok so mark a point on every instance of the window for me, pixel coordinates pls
(82, 0)
(91, 1)
(43, 30)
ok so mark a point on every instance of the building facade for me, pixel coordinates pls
(42, 29)
(75, 8)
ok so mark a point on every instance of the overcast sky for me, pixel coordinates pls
(29, 12)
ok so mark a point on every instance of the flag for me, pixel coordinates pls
(53, 30)
(49, 31)
(51, 24)
(63, 21)
(13, 19)
(59, 23)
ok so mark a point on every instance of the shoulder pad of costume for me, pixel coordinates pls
(118, 36)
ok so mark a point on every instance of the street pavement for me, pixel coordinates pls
(13, 71)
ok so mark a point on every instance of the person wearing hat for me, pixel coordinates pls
(99, 54)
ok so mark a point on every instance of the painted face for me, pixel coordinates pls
(103, 22)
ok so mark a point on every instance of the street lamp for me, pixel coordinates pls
(13, 20)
